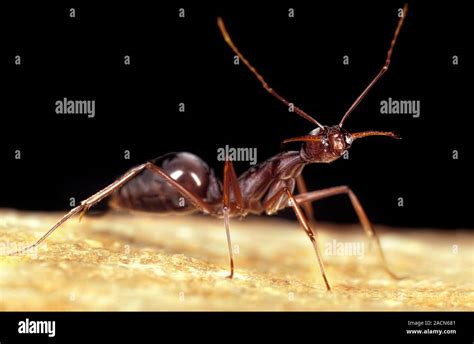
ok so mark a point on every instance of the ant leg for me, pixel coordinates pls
(273, 203)
(230, 181)
(369, 229)
(307, 207)
(311, 234)
(99, 196)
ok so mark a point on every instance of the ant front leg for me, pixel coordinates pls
(311, 234)
(107, 191)
(230, 181)
(307, 207)
(368, 228)
(274, 201)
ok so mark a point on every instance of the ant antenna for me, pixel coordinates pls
(391, 134)
(270, 90)
(305, 138)
(382, 71)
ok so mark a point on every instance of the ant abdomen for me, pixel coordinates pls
(149, 192)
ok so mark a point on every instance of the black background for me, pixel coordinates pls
(186, 60)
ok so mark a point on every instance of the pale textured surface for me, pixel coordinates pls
(135, 262)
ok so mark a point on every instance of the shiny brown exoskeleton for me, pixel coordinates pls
(182, 182)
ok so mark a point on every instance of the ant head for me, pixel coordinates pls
(325, 143)
(328, 143)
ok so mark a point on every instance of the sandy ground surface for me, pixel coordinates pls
(143, 262)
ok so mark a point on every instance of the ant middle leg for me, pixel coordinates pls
(366, 224)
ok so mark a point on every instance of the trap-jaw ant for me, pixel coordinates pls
(158, 185)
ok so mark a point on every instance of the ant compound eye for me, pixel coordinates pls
(349, 139)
